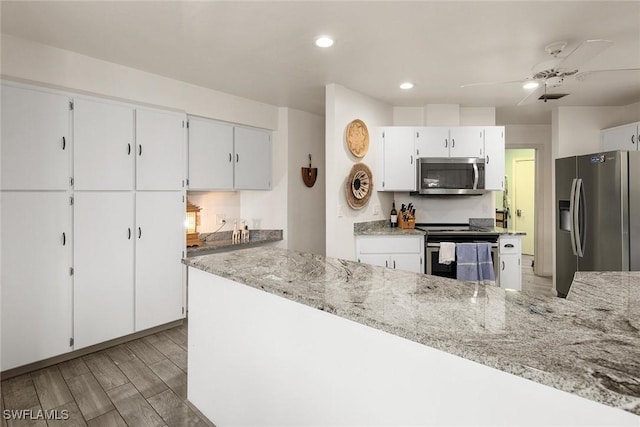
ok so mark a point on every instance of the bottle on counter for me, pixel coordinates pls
(394, 215)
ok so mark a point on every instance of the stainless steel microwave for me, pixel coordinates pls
(451, 176)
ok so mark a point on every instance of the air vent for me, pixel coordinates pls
(545, 97)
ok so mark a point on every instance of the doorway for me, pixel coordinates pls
(524, 175)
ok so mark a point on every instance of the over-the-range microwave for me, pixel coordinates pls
(450, 176)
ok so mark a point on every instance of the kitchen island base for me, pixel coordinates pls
(259, 359)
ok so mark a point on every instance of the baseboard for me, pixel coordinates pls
(20, 370)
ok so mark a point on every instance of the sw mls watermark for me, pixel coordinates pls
(30, 414)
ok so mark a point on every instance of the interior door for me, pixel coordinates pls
(103, 263)
(602, 207)
(36, 281)
(160, 243)
(524, 172)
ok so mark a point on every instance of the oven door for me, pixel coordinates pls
(433, 266)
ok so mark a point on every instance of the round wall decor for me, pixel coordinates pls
(359, 186)
(358, 138)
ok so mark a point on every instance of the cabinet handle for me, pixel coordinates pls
(412, 159)
(128, 149)
(237, 157)
(508, 245)
(230, 157)
(632, 139)
(64, 142)
(446, 143)
(394, 264)
(64, 239)
(139, 232)
(487, 159)
(140, 150)
(129, 230)
(502, 265)
(453, 143)
(386, 264)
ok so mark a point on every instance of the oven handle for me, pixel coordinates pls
(437, 244)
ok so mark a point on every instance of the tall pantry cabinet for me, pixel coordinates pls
(103, 237)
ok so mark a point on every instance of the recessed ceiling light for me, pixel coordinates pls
(324, 41)
(530, 85)
(406, 85)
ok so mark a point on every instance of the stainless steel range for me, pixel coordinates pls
(455, 233)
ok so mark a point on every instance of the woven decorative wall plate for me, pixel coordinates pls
(359, 186)
(358, 138)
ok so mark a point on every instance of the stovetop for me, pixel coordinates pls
(456, 230)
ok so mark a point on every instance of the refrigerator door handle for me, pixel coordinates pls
(579, 221)
(572, 216)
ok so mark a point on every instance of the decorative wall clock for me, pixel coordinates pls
(359, 186)
(358, 138)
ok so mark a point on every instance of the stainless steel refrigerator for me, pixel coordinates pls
(597, 214)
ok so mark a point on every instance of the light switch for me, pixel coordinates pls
(340, 211)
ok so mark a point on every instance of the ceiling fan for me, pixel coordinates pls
(552, 73)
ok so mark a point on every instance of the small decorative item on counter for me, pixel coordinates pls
(407, 217)
(193, 221)
(235, 236)
(394, 215)
(309, 174)
(245, 232)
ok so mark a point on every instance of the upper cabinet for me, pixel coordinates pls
(36, 141)
(623, 137)
(397, 171)
(104, 145)
(494, 158)
(227, 157)
(442, 141)
(160, 148)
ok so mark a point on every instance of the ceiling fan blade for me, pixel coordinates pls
(581, 54)
(490, 83)
(532, 96)
(585, 75)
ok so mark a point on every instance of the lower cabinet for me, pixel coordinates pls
(397, 252)
(36, 279)
(510, 262)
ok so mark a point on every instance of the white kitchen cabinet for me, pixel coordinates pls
(494, 146)
(159, 248)
(36, 141)
(397, 252)
(467, 141)
(432, 141)
(103, 145)
(252, 170)
(210, 155)
(103, 232)
(510, 262)
(397, 171)
(623, 137)
(160, 150)
(36, 281)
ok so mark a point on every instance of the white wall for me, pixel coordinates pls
(226, 203)
(306, 205)
(342, 106)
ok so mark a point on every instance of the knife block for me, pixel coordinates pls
(410, 222)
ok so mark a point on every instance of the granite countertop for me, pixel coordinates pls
(382, 228)
(588, 344)
(221, 241)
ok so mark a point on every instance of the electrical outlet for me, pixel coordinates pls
(221, 218)
(340, 211)
(376, 209)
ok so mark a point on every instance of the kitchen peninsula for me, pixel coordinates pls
(304, 339)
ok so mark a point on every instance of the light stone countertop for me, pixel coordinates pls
(382, 228)
(221, 241)
(588, 344)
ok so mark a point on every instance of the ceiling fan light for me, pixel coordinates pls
(530, 85)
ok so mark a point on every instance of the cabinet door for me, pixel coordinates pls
(494, 158)
(467, 141)
(252, 159)
(210, 155)
(432, 141)
(36, 281)
(160, 243)
(381, 260)
(623, 137)
(35, 140)
(399, 161)
(510, 272)
(103, 266)
(103, 145)
(160, 139)
(407, 262)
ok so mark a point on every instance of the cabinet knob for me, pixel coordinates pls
(230, 157)
(128, 149)
(64, 238)
(129, 231)
(453, 143)
(394, 264)
(487, 159)
(446, 143)
(237, 157)
(412, 159)
(502, 265)
(139, 232)
(140, 150)
(64, 142)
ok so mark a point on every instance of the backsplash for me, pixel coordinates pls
(448, 209)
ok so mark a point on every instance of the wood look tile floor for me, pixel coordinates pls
(533, 283)
(136, 384)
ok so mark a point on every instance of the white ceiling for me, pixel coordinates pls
(264, 50)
